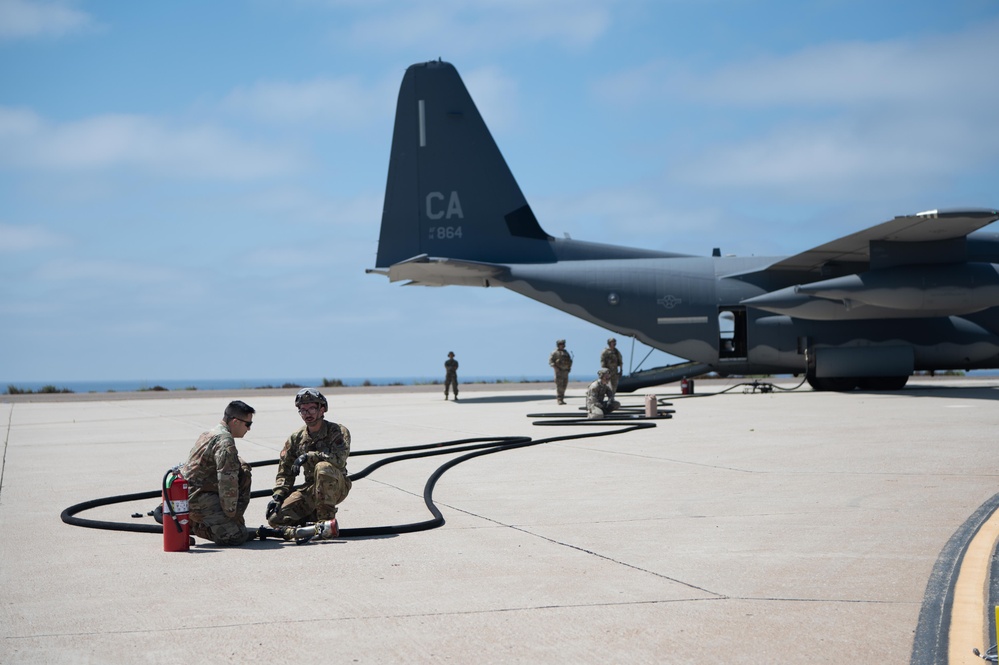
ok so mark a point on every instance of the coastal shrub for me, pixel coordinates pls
(14, 390)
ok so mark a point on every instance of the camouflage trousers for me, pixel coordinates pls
(450, 381)
(561, 381)
(314, 502)
(614, 376)
(597, 410)
(210, 522)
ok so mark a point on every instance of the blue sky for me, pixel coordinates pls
(193, 190)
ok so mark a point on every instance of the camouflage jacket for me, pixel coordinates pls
(611, 359)
(213, 466)
(560, 360)
(598, 393)
(331, 443)
(451, 367)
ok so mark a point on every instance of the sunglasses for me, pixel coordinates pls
(248, 423)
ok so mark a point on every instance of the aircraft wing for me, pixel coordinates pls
(426, 270)
(934, 226)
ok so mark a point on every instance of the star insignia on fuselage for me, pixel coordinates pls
(669, 302)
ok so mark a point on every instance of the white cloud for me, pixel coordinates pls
(460, 26)
(495, 95)
(943, 70)
(132, 141)
(15, 238)
(120, 285)
(117, 272)
(20, 19)
(843, 119)
(818, 160)
(343, 103)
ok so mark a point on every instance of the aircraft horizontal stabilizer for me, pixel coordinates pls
(425, 270)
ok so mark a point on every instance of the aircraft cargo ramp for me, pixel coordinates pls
(648, 378)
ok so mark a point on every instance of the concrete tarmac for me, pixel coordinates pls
(783, 527)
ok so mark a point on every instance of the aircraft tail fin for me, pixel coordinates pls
(450, 193)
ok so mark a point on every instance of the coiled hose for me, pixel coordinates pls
(473, 447)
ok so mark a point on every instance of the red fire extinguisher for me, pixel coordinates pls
(684, 387)
(176, 524)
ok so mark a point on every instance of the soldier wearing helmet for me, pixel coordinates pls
(612, 360)
(600, 397)
(451, 375)
(319, 450)
(561, 361)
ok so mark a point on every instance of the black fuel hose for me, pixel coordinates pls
(474, 447)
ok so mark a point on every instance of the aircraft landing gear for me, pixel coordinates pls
(843, 384)
(839, 384)
(883, 382)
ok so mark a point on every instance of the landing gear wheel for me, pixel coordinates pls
(883, 382)
(841, 384)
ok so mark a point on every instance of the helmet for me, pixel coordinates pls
(602, 372)
(611, 340)
(559, 341)
(450, 353)
(310, 396)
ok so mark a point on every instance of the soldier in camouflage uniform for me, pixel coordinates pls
(600, 397)
(451, 375)
(612, 360)
(562, 362)
(219, 479)
(320, 450)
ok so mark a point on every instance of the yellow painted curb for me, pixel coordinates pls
(967, 615)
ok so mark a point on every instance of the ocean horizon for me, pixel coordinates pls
(138, 385)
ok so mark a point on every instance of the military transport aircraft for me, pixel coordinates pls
(918, 292)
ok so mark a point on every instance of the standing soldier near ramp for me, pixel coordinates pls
(451, 375)
(562, 362)
(320, 450)
(612, 360)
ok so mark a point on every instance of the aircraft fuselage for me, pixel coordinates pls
(693, 307)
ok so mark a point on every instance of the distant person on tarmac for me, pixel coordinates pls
(219, 479)
(451, 375)
(612, 360)
(561, 361)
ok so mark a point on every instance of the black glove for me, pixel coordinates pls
(274, 505)
(297, 464)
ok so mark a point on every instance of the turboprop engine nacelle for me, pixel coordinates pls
(946, 290)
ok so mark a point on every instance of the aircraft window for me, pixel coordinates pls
(726, 325)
